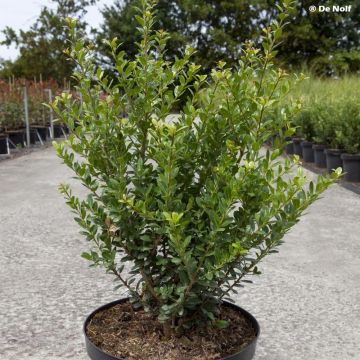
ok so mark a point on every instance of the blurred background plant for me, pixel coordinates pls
(330, 112)
(12, 102)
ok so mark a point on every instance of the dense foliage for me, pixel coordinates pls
(191, 204)
(12, 103)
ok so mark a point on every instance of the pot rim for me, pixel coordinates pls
(347, 156)
(319, 146)
(307, 143)
(333, 151)
(252, 319)
(17, 131)
(296, 139)
(39, 126)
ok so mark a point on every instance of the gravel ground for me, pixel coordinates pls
(307, 300)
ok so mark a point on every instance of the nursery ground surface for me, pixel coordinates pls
(307, 301)
(136, 335)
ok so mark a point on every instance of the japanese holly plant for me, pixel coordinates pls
(192, 202)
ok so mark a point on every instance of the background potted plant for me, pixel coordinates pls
(180, 211)
(349, 137)
(305, 122)
(332, 134)
(12, 112)
(321, 138)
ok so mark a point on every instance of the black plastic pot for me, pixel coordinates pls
(58, 131)
(297, 146)
(319, 155)
(351, 167)
(33, 136)
(247, 353)
(3, 144)
(43, 132)
(307, 151)
(17, 137)
(333, 159)
(289, 147)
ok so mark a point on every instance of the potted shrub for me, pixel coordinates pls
(320, 136)
(13, 122)
(350, 140)
(305, 122)
(332, 134)
(180, 211)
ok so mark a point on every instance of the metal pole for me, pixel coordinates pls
(51, 115)
(7, 146)
(26, 111)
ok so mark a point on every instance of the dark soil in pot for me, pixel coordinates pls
(319, 155)
(297, 146)
(307, 151)
(351, 167)
(117, 331)
(289, 147)
(3, 144)
(333, 159)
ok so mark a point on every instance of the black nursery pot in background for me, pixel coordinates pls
(58, 131)
(33, 136)
(319, 155)
(351, 167)
(17, 137)
(297, 146)
(289, 147)
(333, 159)
(307, 151)
(43, 132)
(3, 144)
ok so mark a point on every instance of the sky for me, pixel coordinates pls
(21, 14)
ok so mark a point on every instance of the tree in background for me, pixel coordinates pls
(328, 43)
(41, 47)
(214, 28)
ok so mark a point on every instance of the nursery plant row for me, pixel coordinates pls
(22, 100)
(328, 134)
(323, 156)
